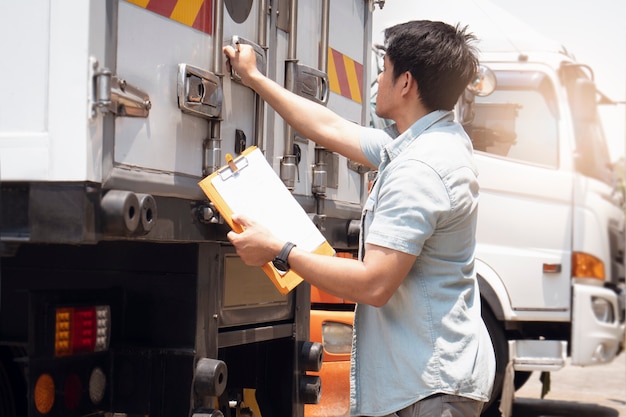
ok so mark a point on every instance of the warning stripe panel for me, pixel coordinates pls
(197, 14)
(345, 75)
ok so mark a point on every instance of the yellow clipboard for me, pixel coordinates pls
(248, 185)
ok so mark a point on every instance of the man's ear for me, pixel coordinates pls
(407, 82)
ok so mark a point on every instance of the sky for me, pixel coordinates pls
(593, 31)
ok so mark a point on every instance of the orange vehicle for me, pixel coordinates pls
(331, 324)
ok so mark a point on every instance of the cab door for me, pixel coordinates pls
(525, 210)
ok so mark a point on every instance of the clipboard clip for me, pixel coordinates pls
(232, 166)
(231, 163)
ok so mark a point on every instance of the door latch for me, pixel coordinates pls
(199, 92)
(261, 61)
(311, 83)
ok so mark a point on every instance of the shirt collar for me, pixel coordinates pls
(402, 141)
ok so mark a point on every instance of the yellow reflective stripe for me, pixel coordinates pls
(186, 11)
(353, 81)
(333, 80)
(140, 3)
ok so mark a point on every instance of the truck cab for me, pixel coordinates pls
(550, 233)
(550, 236)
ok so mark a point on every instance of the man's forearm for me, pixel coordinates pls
(314, 121)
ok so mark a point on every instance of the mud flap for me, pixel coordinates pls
(508, 390)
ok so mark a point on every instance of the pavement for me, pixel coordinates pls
(594, 391)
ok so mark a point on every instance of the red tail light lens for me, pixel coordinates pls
(72, 391)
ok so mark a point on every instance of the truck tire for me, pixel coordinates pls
(500, 346)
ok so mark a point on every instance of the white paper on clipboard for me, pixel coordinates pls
(254, 190)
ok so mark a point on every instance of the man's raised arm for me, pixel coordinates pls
(310, 119)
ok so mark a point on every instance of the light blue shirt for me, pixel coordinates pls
(429, 338)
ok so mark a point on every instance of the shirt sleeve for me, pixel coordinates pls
(372, 143)
(411, 200)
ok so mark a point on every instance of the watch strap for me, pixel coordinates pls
(283, 255)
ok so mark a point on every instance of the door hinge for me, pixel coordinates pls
(112, 94)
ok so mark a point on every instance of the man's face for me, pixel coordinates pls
(385, 98)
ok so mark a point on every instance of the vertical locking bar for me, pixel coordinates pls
(320, 170)
(212, 146)
(288, 162)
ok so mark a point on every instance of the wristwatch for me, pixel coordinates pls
(280, 261)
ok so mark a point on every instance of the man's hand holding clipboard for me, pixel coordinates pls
(253, 200)
(254, 235)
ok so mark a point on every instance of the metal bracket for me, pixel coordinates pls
(374, 3)
(358, 167)
(115, 95)
(281, 9)
(199, 92)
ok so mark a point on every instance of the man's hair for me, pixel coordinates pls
(440, 57)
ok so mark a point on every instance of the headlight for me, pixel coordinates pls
(336, 337)
(602, 309)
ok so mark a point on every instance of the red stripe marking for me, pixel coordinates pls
(162, 7)
(204, 20)
(341, 74)
(358, 67)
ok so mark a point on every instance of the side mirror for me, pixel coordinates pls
(484, 83)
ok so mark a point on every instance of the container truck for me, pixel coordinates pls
(120, 294)
(550, 252)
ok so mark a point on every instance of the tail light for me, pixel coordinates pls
(44, 394)
(81, 330)
(97, 385)
(70, 390)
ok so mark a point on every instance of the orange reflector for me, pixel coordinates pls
(551, 268)
(44, 394)
(585, 265)
(81, 330)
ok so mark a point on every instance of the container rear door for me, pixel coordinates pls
(161, 153)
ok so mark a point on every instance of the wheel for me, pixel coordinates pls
(500, 346)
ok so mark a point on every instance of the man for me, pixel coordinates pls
(420, 347)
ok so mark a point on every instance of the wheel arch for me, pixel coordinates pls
(492, 291)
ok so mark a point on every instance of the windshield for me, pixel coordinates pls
(519, 120)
